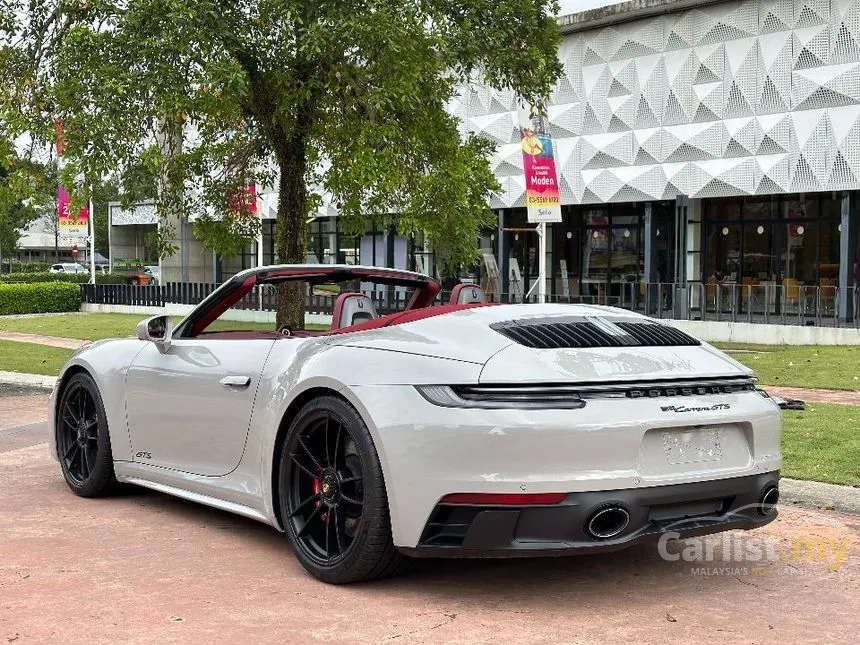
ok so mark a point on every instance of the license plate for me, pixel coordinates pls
(692, 445)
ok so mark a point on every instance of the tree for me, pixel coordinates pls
(24, 193)
(343, 96)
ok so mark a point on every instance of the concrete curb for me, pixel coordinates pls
(28, 380)
(820, 495)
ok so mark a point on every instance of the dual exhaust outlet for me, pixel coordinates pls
(769, 498)
(607, 522)
(610, 521)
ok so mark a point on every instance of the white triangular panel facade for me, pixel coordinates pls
(736, 98)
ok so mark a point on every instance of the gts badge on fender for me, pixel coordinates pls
(684, 408)
(143, 455)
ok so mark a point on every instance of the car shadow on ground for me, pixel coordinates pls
(592, 575)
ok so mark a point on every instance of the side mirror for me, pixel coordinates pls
(158, 330)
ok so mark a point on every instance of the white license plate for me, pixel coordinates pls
(692, 445)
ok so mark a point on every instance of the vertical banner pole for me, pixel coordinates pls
(257, 211)
(92, 230)
(542, 262)
(543, 198)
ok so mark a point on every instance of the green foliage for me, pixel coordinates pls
(39, 298)
(25, 267)
(24, 191)
(311, 96)
(227, 236)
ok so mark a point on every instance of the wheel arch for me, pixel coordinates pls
(290, 413)
(62, 382)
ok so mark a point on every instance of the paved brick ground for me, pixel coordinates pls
(145, 568)
(815, 396)
(51, 341)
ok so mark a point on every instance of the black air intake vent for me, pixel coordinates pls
(596, 332)
(561, 334)
(654, 334)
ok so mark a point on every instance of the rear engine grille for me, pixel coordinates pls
(653, 334)
(597, 333)
(560, 334)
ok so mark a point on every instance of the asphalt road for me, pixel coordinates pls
(146, 568)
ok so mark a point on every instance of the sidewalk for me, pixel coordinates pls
(37, 339)
(813, 395)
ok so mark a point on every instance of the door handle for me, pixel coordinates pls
(236, 381)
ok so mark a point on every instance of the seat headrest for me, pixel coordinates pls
(466, 294)
(351, 308)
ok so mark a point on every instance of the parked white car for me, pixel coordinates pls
(466, 429)
(68, 267)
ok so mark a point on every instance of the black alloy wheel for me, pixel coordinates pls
(333, 502)
(83, 443)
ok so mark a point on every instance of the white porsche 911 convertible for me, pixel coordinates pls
(465, 429)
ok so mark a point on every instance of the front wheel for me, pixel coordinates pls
(333, 501)
(83, 441)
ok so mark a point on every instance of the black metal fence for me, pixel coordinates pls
(790, 304)
(783, 304)
(260, 298)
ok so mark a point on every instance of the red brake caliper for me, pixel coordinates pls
(318, 491)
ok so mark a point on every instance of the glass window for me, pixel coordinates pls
(828, 253)
(760, 208)
(759, 260)
(627, 257)
(567, 242)
(831, 205)
(727, 208)
(723, 253)
(798, 262)
(595, 253)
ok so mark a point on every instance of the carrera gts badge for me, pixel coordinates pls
(684, 408)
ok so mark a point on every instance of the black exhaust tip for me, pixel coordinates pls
(607, 522)
(768, 501)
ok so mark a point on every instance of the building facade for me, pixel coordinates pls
(708, 152)
(712, 143)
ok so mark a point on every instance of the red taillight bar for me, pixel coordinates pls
(504, 499)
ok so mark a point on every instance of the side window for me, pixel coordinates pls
(251, 314)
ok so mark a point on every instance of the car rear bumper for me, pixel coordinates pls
(680, 510)
(428, 451)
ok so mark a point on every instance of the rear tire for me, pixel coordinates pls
(333, 502)
(83, 439)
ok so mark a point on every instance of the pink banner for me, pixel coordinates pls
(68, 222)
(542, 194)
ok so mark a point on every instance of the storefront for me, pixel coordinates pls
(597, 254)
(761, 242)
(772, 238)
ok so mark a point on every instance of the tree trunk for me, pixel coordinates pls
(290, 242)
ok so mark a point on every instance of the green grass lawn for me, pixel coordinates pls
(822, 443)
(98, 326)
(826, 366)
(31, 358)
